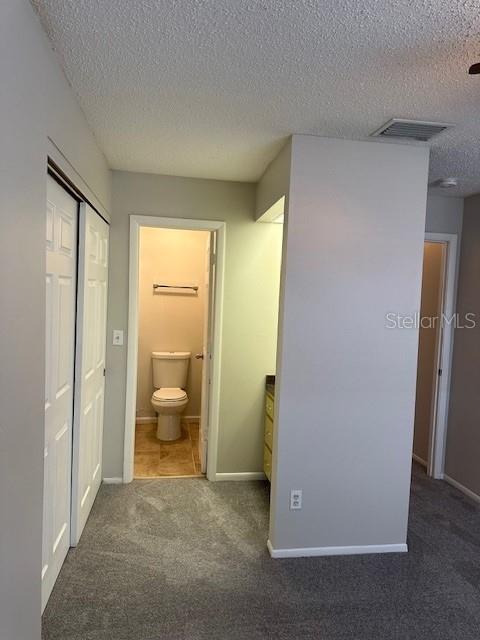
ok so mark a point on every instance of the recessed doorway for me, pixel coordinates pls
(175, 302)
(436, 324)
(173, 326)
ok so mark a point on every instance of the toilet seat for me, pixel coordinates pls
(169, 394)
(169, 403)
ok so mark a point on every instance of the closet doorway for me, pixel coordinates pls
(76, 309)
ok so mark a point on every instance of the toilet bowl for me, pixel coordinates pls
(169, 404)
(170, 371)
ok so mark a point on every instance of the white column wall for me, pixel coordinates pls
(345, 383)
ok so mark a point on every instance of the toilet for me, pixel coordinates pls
(170, 370)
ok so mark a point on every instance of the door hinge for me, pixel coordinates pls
(439, 372)
(104, 372)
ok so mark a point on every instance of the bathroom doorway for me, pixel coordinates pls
(176, 274)
(173, 293)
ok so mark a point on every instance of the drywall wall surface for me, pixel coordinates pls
(36, 105)
(463, 436)
(170, 320)
(274, 183)
(345, 382)
(444, 214)
(250, 313)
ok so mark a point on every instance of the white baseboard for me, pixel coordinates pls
(419, 460)
(462, 488)
(151, 419)
(145, 419)
(241, 477)
(306, 552)
(112, 480)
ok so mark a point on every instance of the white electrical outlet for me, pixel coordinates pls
(117, 337)
(295, 499)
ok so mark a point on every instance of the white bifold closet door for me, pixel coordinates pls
(61, 266)
(90, 366)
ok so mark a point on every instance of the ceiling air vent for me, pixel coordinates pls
(411, 129)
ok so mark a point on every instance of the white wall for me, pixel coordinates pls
(250, 313)
(345, 383)
(36, 103)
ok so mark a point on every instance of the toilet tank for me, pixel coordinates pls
(170, 368)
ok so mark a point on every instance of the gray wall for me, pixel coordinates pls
(250, 313)
(36, 103)
(444, 214)
(274, 182)
(463, 438)
(346, 398)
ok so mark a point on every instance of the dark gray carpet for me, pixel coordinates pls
(186, 560)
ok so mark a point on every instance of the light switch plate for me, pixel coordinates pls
(117, 337)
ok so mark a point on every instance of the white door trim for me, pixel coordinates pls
(136, 222)
(439, 426)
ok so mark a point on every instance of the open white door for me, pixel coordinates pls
(90, 366)
(61, 265)
(208, 316)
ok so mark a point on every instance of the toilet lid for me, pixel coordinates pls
(169, 393)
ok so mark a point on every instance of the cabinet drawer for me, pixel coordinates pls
(269, 405)
(269, 432)
(267, 462)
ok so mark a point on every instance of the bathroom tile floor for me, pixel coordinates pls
(156, 459)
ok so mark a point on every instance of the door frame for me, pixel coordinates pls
(160, 222)
(57, 173)
(439, 424)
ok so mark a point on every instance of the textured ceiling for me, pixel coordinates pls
(211, 88)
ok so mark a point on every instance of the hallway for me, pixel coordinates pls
(187, 560)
